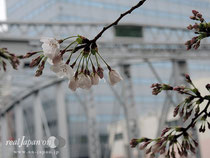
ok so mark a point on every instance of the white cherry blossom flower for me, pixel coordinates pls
(62, 70)
(84, 81)
(94, 79)
(51, 48)
(114, 77)
(73, 84)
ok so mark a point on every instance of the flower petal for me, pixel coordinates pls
(95, 79)
(62, 70)
(50, 46)
(114, 77)
(84, 82)
(73, 84)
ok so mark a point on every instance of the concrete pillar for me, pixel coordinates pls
(93, 134)
(4, 137)
(38, 128)
(130, 111)
(19, 128)
(62, 120)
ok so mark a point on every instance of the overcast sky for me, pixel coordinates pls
(2, 10)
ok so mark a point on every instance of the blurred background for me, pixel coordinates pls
(146, 47)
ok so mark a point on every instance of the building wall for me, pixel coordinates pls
(162, 12)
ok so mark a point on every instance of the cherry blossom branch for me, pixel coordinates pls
(178, 137)
(193, 121)
(139, 4)
(201, 29)
(82, 43)
(87, 49)
(8, 57)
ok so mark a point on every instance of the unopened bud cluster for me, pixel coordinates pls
(168, 144)
(88, 70)
(177, 139)
(7, 57)
(201, 28)
(157, 88)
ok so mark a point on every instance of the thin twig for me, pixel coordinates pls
(117, 21)
(139, 4)
(87, 43)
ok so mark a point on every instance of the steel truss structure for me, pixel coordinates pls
(157, 43)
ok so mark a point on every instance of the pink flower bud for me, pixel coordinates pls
(192, 149)
(134, 143)
(4, 65)
(156, 91)
(36, 61)
(188, 77)
(201, 19)
(199, 15)
(73, 84)
(197, 45)
(29, 54)
(193, 40)
(72, 65)
(94, 79)
(84, 81)
(190, 27)
(143, 145)
(195, 143)
(162, 150)
(176, 110)
(189, 47)
(181, 113)
(40, 68)
(165, 131)
(208, 86)
(114, 77)
(188, 42)
(148, 150)
(100, 72)
(195, 12)
(196, 26)
(155, 148)
(193, 17)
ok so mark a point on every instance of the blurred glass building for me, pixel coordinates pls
(163, 12)
(136, 32)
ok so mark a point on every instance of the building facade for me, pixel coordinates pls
(163, 12)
